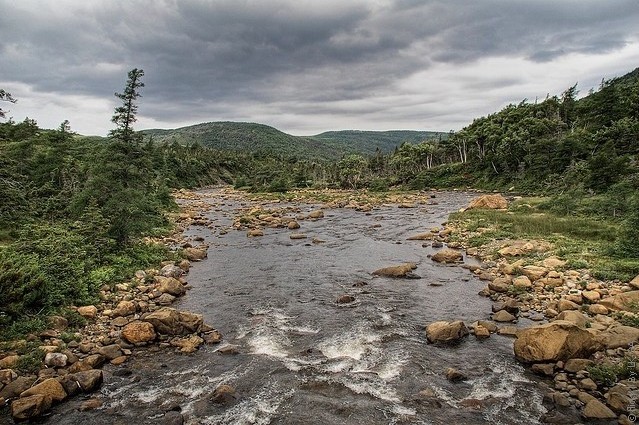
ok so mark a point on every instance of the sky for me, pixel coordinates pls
(306, 66)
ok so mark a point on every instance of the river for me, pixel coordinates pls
(305, 359)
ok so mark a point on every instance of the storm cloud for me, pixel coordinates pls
(306, 66)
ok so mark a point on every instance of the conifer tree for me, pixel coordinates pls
(124, 116)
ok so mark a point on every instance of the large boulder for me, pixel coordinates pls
(170, 321)
(625, 301)
(30, 407)
(89, 380)
(443, 331)
(620, 336)
(137, 332)
(49, 387)
(447, 255)
(169, 285)
(402, 270)
(495, 202)
(556, 341)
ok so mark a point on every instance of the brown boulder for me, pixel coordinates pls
(89, 380)
(48, 388)
(626, 301)
(292, 225)
(597, 410)
(396, 271)
(316, 214)
(170, 321)
(30, 407)
(443, 331)
(195, 254)
(496, 202)
(556, 341)
(137, 332)
(88, 311)
(422, 237)
(189, 344)
(169, 285)
(124, 308)
(447, 255)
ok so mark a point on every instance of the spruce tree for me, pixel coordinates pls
(124, 116)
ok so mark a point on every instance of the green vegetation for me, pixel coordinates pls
(609, 373)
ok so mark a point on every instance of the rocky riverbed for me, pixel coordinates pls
(349, 310)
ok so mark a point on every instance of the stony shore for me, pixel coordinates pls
(580, 314)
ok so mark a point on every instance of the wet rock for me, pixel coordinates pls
(296, 236)
(316, 214)
(454, 375)
(396, 271)
(446, 332)
(254, 233)
(224, 394)
(490, 325)
(481, 332)
(293, 225)
(173, 417)
(170, 321)
(345, 299)
(496, 201)
(195, 254)
(228, 349)
(169, 285)
(30, 407)
(447, 255)
(55, 360)
(138, 332)
(359, 284)
(88, 311)
(90, 404)
(426, 236)
(189, 344)
(558, 340)
(503, 316)
(212, 337)
(49, 388)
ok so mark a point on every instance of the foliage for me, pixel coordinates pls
(609, 373)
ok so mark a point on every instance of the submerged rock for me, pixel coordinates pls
(396, 271)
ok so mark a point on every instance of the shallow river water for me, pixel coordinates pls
(303, 358)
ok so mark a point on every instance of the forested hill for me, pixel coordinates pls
(251, 137)
(367, 142)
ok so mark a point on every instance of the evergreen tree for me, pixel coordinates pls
(7, 98)
(124, 116)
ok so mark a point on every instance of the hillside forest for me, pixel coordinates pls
(74, 210)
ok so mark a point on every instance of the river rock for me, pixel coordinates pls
(522, 282)
(564, 305)
(500, 284)
(169, 285)
(496, 201)
(9, 362)
(447, 255)
(170, 321)
(55, 360)
(171, 270)
(30, 407)
(89, 380)
(481, 332)
(620, 336)
(345, 299)
(88, 311)
(597, 309)
(48, 388)
(443, 331)
(421, 237)
(454, 375)
(224, 394)
(296, 236)
(138, 332)
(255, 233)
(293, 225)
(626, 301)
(503, 316)
(544, 369)
(195, 254)
(572, 316)
(617, 398)
(110, 352)
(597, 410)
(90, 404)
(16, 387)
(316, 214)
(212, 337)
(534, 272)
(396, 271)
(555, 341)
(189, 344)
(124, 308)
(591, 296)
(58, 323)
(7, 376)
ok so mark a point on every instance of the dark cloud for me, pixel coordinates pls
(215, 58)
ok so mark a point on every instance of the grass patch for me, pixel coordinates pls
(609, 373)
(584, 241)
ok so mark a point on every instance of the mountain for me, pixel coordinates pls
(367, 142)
(259, 138)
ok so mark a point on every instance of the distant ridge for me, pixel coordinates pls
(260, 138)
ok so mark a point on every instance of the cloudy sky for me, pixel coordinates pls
(306, 66)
